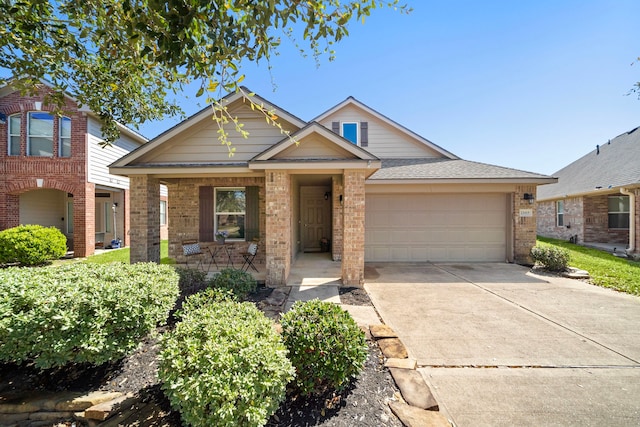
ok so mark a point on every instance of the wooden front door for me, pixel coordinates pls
(316, 217)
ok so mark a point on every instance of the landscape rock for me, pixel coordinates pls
(401, 363)
(416, 417)
(382, 331)
(393, 348)
(413, 388)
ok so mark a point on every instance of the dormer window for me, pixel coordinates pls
(356, 132)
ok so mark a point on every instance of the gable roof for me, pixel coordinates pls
(205, 114)
(610, 166)
(453, 170)
(352, 101)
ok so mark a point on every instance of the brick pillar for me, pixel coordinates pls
(144, 214)
(525, 226)
(84, 220)
(337, 214)
(353, 234)
(126, 223)
(278, 227)
(636, 237)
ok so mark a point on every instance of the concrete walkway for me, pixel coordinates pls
(499, 345)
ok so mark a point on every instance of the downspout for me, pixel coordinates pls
(632, 218)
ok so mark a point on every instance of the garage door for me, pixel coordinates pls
(436, 227)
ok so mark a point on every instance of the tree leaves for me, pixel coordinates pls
(121, 58)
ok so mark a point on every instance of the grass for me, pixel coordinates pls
(605, 269)
(122, 255)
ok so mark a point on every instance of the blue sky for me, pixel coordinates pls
(531, 85)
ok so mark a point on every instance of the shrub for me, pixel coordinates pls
(325, 345)
(550, 257)
(31, 245)
(93, 313)
(237, 281)
(224, 364)
(191, 280)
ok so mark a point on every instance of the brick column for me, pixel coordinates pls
(636, 237)
(84, 220)
(337, 214)
(144, 213)
(10, 211)
(353, 233)
(278, 227)
(524, 226)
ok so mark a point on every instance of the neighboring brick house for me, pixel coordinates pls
(596, 198)
(53, 172)
(351, 181)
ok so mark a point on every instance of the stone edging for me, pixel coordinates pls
(416, 407)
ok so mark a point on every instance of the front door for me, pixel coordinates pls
(315, 206)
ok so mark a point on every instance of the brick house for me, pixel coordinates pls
(596, 198)
(54, 172)
(351, 182)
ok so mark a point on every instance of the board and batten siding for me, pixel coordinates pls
(100, 158)
(200, 143)
(384, 141)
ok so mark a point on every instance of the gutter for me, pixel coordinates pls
(632, 218)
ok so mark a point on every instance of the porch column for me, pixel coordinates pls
(9, 211)
(84, 220)
(145, 218)
(524, 226)
(353, 232)
(278, 227)
(337, 217)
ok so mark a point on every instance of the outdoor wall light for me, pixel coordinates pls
(341, 199)
(529, 197)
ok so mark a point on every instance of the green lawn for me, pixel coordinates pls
(122, 255)
(605, 269)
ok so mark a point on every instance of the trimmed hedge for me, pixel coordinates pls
(31, 245)
(81, 313)
(325, 344)
(223, 364)
(550, 257)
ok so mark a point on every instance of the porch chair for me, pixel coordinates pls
(249, 256)
(193, 252)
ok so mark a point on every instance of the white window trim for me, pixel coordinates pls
(357, 131)
(216, 213)
(559, 214)
(29, 113)
(9, 134)
(60, 137)
(163, 203)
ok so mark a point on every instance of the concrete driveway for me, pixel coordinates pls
(500, 346)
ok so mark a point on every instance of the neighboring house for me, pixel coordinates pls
(53, 172)
(597, 197)
(356, 183)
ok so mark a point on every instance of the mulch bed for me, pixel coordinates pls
(363, 403)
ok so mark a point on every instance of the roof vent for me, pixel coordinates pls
(597, 149)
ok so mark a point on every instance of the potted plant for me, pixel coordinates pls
(221, 235)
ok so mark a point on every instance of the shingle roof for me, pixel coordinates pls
(439, 168)
(611, 165)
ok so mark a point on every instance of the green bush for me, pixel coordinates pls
(550, 257)
(81, 313)
(325, 345)
(237, 281)
(191, 280)
(31, 245)
(223, 364)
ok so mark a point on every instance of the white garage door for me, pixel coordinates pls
(436, 227)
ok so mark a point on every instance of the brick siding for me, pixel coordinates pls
(353, 231)
(525, 227)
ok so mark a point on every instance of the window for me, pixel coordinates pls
(14, 135)
(350, 132)
(103, 214)
(40, 134)
(619, 212)
(64, 137)
(230, 211)
(560, 213)
(163, 212)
